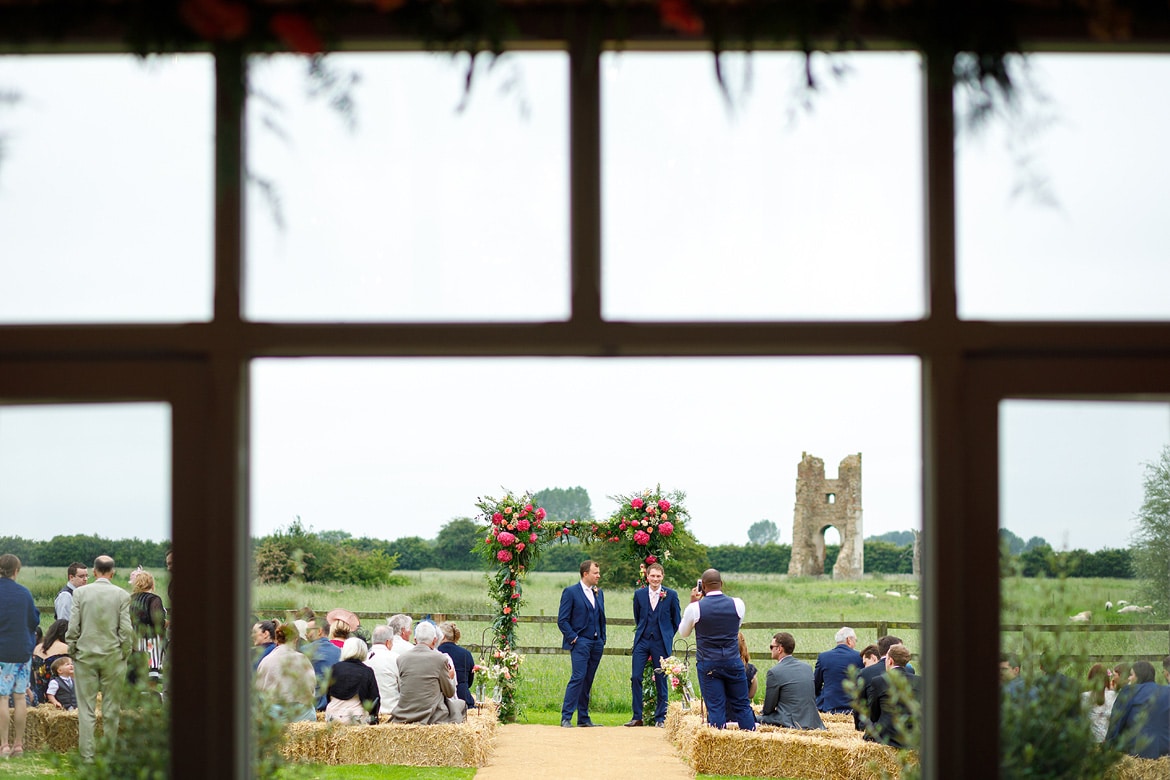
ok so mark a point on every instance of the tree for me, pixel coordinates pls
(1151, 540)
(1015, 545)
(413, 553)
(764, 532)
(1036, 543)
(564, 503)
(688, 560)
(454, 544)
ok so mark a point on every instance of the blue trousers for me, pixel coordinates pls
(725, 693)
(586, 655)
(648, 650)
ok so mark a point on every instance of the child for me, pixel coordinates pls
(60, 691)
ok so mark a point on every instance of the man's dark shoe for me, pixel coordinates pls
(588, 724)
(660, 724)
(636, 722)
(566, 724)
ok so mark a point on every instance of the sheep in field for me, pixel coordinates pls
(1082, 617)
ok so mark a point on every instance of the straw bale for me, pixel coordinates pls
(49, 728)
(1132, 768)
(467, 744)
(838, 753)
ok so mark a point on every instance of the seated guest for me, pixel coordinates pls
(400, 624)
(1009, 675)
(322, 654)
(870, 655)
(385, 665)
(263, 641)
(51, 647)
(61, 693)
(1098, 701)
(789, 699)
(427, 683)
(339, 631)
(749, 669)
(286, 679)
(832, 670)
(353, 690)
(461, 658)
(870, 673)
(1140, 722)
(894, 718)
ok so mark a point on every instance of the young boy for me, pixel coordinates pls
(60, 691)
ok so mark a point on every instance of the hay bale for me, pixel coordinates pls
(838, 753)
(1132, 768)
(467, 744)
(49, 728)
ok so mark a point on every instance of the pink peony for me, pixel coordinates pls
(528, 507)
(622, 526)
(637, 503)
(642, 538)
(540, 513)
(532, 537)
(520, 547)
(497, 518)
(503, 556)
(664, 505)
(651, 559)
(666, 529)
(515, 595)
(505, 538)
(523, 525)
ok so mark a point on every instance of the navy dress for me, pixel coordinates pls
(464, 676)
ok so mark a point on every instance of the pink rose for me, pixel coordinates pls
(642, 538)
(532, 537)
(651, 559)
(515, 595)
(528, 507)
(497, 518)
(505, 538)
(503, 556)
(514, 620)
(666, 529)
(523, 525)
(540, 513)
(637, 503)
(664, 505)
(622, 526)
(520, 547)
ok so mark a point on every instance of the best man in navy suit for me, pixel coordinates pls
(832, 670)
(581, 619)
(656, 615)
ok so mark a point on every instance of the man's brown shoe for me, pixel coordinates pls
(635, 722)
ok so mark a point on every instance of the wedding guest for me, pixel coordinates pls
(51, 647)
(18, 623)
(870, 656)
(285, 676)
(427, 683)
(893, 717)
(749, 669)
(871, 672)
(323, 655)
(339, 631)
(715, 618)
(400, 626)
(353, 691)
(831, 671)
(149, 619)
(385, 665)
(1098, 701)
(789, 697)
(263, 641)
(1140, 722)
(461, 658)
(656, 617)
(100, 640)
(75, 576)
(61, 693)
(581, 619)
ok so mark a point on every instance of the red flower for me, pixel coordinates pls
(503, 556)
(637, 503)
(622, 526)
(664, 505)
(520, 547)
(651, 559)
(515, 595)
(512, 583)
(523, 525)
(497, 518)
(505, 538)
(297, 33)
(515, 620)
(487, 540)
(642, 538)
(532, 537)
(666, 529)
(528, 507)
(540, 513)
(507, 610)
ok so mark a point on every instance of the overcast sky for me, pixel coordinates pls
(423, 212)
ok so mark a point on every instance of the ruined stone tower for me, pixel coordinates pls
(821, 503)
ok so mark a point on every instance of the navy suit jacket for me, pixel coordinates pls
(662, 621)
(831, 671)
(1140, 722)
(575, 616)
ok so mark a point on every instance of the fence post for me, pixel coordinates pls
(883, 629)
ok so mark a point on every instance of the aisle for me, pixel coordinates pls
(525, 752)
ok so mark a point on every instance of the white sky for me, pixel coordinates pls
(425, 213)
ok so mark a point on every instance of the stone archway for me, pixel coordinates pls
(823, 503)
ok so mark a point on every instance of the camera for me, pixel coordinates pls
(699, 585)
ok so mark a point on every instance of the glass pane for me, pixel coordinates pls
(1060, 209)
(76, 483)
(761, 211)
(1079, 601)
(422, 210)
(106, 189)
(399, 464)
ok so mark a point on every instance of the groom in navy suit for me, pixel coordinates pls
(581, 619)
(656, 615)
